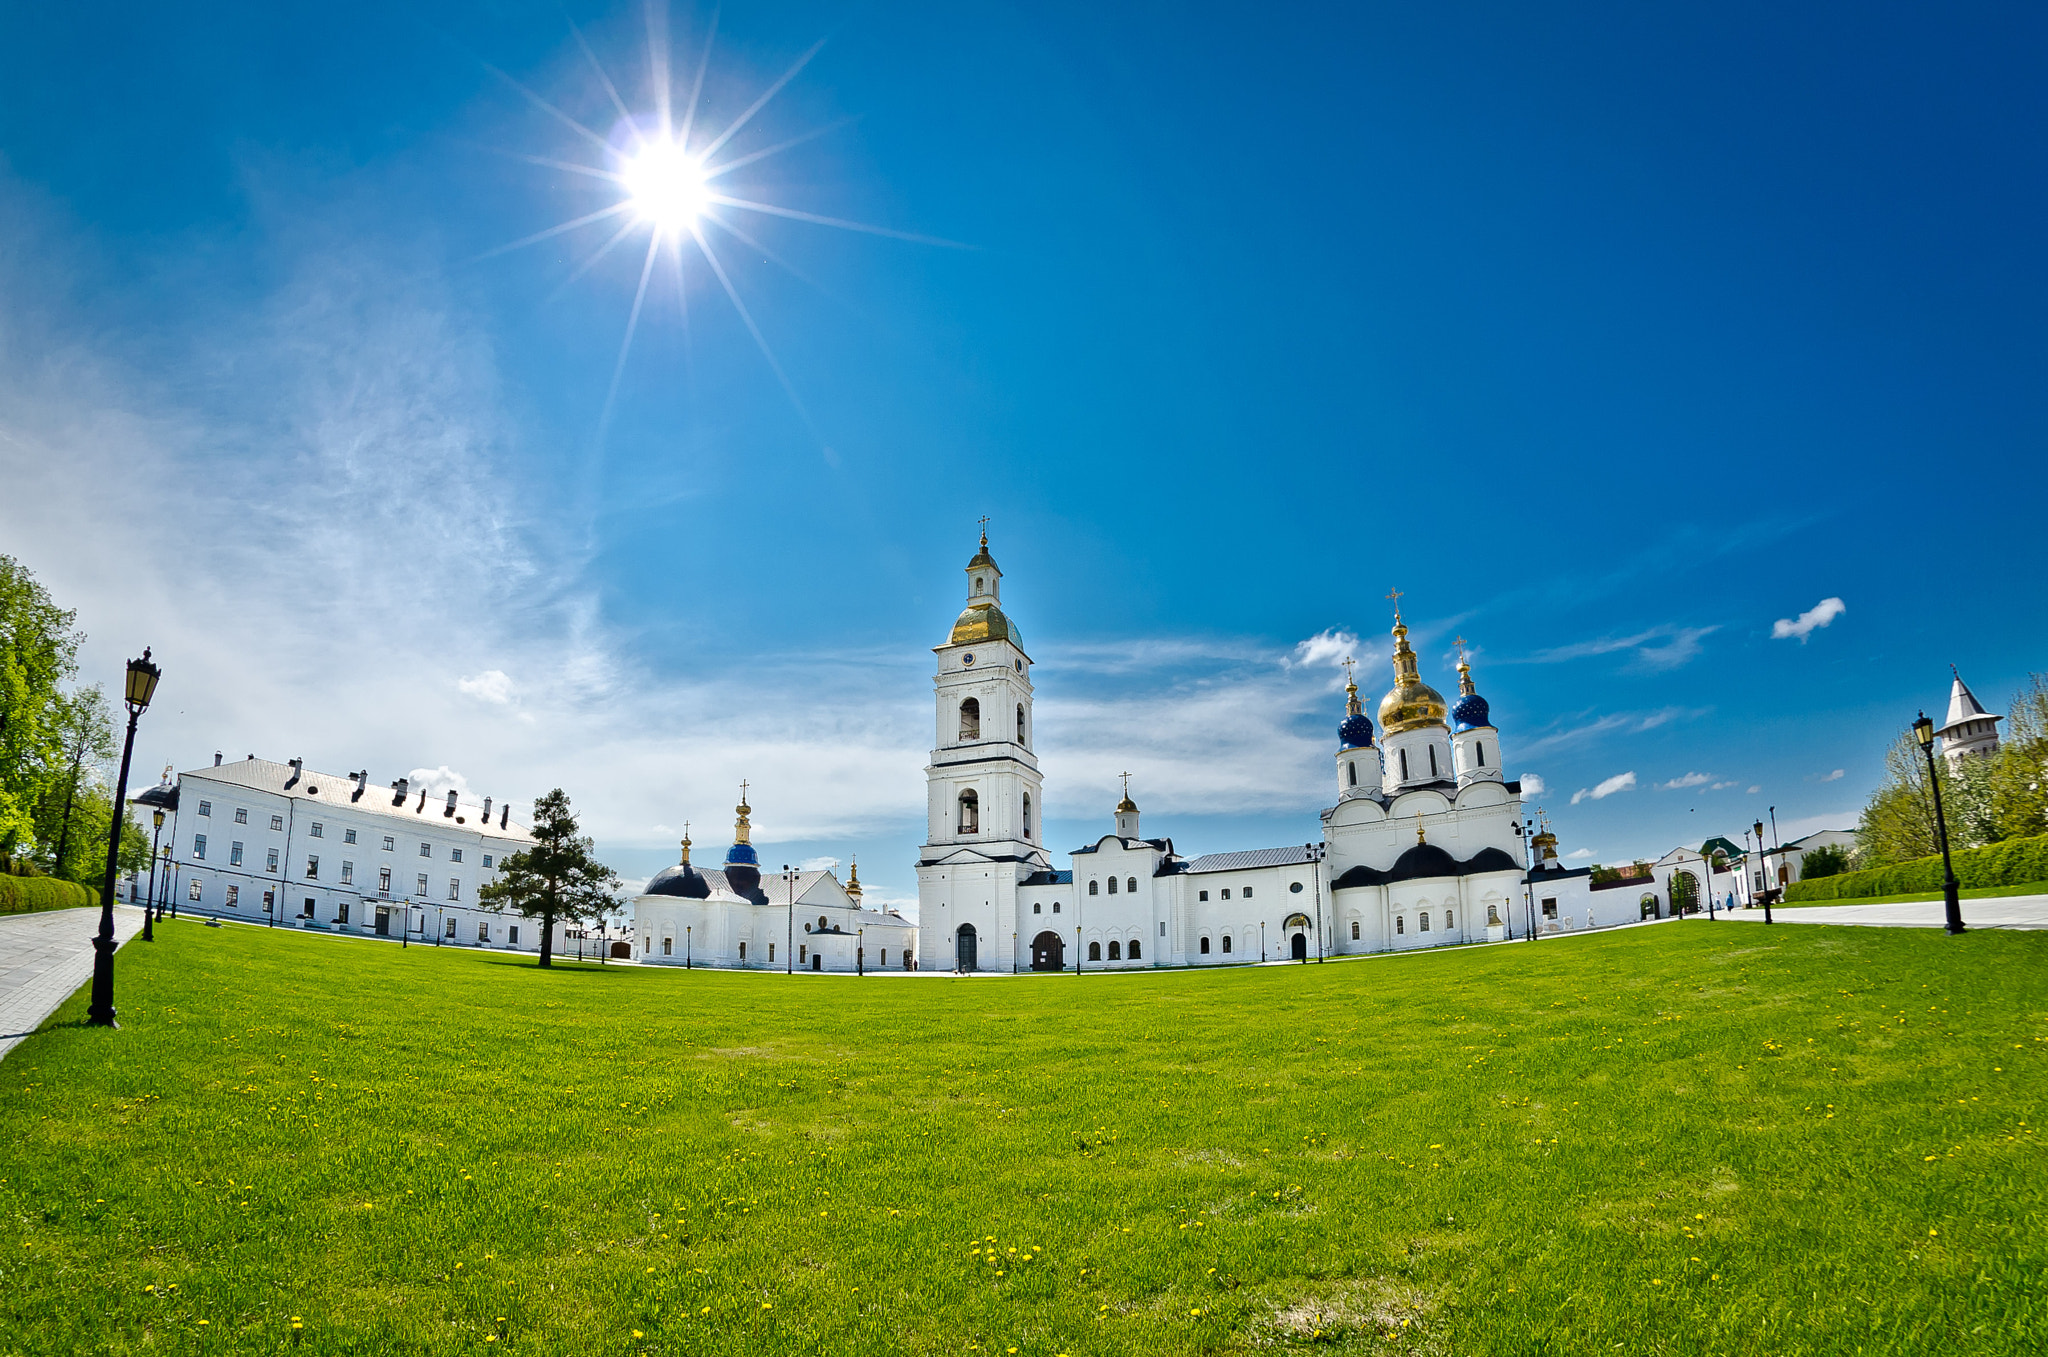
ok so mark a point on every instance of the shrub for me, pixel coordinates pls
(29, 894)
(1828, 860)
(2012, 862)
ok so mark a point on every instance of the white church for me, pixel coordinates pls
(1422, 846)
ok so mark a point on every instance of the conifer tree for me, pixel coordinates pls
(557, 880)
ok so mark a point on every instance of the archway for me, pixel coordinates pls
(1301, 947)
(1685, 893)
(1298, 926)
(963, 948)
(1648, 905)
(1048, 952)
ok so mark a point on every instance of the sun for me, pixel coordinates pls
(666, 184)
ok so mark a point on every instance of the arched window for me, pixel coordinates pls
(1112, 885)
(1352, 769)
(1479, 749)
(1095, 951)
(1027, 815)
(1091, 888)
(823, 923)
(1448, 921)
(743, 951)
(1226, 942)
(807, 928)
(970, 719)
(970, 812)
(1136, 955)
(1205, 947)
(1400, 925)
(1038, 908)
(1354, 930)
(1432, 760)
(977, 584)
(1404, 765)
(1020, 723)
(1422, 922)
(1116, 951)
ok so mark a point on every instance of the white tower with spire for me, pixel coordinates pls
(1970, 730)
(1475, 744)
(984, 798)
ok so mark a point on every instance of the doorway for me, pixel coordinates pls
(817, 962)
(1301, 947)
(383, 923)
(1048, 952)
(963, 948)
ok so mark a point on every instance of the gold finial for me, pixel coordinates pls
(984, 532)
(686, 843)
(1351, 704)
(1465, 687)
(742, 829)
(1418, 828)
(853, 878)
(1126, 806)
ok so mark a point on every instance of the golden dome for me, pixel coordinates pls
(1410, 704)
(1127, 806)
(983, 621)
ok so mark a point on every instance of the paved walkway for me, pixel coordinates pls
(1998, 911)
(44, 957)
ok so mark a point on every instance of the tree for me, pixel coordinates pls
(556, 880)
(1898, 824)
(87, 735)
(2019, 775)
(1830, 859)
(38, 652)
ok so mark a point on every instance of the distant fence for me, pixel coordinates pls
(29, 894)
(2015, 862)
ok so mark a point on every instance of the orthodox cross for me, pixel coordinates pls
(1460, 644)
(1350, 678)
(984, 529)
(1395, 595)
(1127, 785)
(743, 791)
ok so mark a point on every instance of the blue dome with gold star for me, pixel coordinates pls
(1470, 713)
(1355, 731)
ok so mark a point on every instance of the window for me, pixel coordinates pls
(192, 891)
(1354, 930)
(803, 954)
(277, 822)
(318, 830)
(771, 951)
(1479, 751)
(455, 855)
(1550, 909)
(1404, 765)
(1038, 909)
(1205, 947)
(487, 861)
(1055, 906)
(1092, 888)
(1422, 922)
(426, 850)
(206, 809)
(451, 928)
(1131, 885)
(970, 812)
(1095, 951)
(1225, 892)
(970, 719)
(1027, 815)
(1294, 888)
(420, 887)
(1112, 885)
(512, 936)
(1116, 952)
(270, 860)
(668, 946)
(823, 924)
(1247, 892)
(885, 956)
(454, 888)
(312, 869)
(269, 901)
(1448, 924)
(1432, 760)
(743, 951)
(807, 928)
(199, 847)
(1162, 928)
(1226, 942)
(1351, 774)
(341, 912)
(1134, 949)
(234, 894)
(1020, 723)
(1399, 926)
(241, 815)
(389, 843)
(235, 854)
(348, 836)
(384, 880)
(483, 932)
(348, 873)
(1201, 895)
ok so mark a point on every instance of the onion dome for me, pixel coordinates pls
(853, 879)
(982, 619)
(1355, 730)
(742, 864)
(1469, 712)
(1410, 704)
(681, 880)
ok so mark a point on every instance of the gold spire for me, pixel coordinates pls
(1465, 688)
(1410, 704)
(1126, 806)
(1418, 828)
(742, 829)
(1351, 703)
(686, 843)
(853, 878)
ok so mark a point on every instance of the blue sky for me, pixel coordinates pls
(1610, 337)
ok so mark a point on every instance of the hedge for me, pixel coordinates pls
(2015, 862)
(29, 894)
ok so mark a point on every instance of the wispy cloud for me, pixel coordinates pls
(1583, 728)
(1327, 648)
(1655, 649)
(490, 686)
(1810, 621)
(1689, 780)
(1620, 782)
(1832, 777)
(1578, 855)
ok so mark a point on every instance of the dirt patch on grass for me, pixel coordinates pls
(1369, 1308)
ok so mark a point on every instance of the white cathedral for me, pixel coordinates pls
(1422, 846)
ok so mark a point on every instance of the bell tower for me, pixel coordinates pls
(984, 801)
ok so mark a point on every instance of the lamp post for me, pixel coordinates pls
(155, 840)
(168, 899)
(789, 947)
(1923, 731)
(1763, 870)
(860, 952)
(687, 962)
(142, 679)
(1315, 876)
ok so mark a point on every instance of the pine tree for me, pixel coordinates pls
(556, 880)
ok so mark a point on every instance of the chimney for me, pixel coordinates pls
(451, 805)
(216, 758)
(423, 802)
(362, 781)
(487, 810)
(398, 791)
(298, 766)
(504, 815)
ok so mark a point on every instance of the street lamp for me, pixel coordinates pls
(1923, 731)
(686, 947)
(155, 838)
(1763, 871)
(789, 947)
(142, 678)
(860, 951)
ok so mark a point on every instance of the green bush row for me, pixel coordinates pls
(28, 894)
(2013, 862)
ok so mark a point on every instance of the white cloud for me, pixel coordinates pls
(1533, 785)
(1659, 648)
(490, 686)
(1689, 780)
(1830, 777)
(1327, 648)
(1578, 855)
(1563, 734)
(437, 782)
(1753, 791)
(1724, 786)
(1819, 615)
(1620, 782)
(819, 864)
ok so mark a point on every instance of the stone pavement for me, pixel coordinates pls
(1998, 911)
(44, 957)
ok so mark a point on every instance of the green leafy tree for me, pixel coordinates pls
(2019, 775)
(1898, 823)
(87, 735)
(38, 652)
(1830, 859)
(557, 880)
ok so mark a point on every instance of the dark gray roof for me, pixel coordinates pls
(1427, 862)
(1252, 857)
(1048, 879)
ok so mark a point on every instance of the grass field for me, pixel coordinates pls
(1676, 1139)
(1979, 893)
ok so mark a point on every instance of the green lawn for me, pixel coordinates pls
(1979, 893)
(1668, 1139)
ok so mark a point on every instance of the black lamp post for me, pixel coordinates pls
(155, 837)
(1763, 870)
(789, 946)
(1923, 731)
(142, 677)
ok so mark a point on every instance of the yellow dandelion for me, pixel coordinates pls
(638, 1334)
(705, 1311)
(767, 1305)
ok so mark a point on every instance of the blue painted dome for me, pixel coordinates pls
(683, 881)
(742, 852)
(1355, 732)
(1470, 713)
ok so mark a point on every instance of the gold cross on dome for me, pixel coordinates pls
(743, 791)
(1395, 595)
(1460, 644)
(984, 529)
(1127, 783)
(1349, 676)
